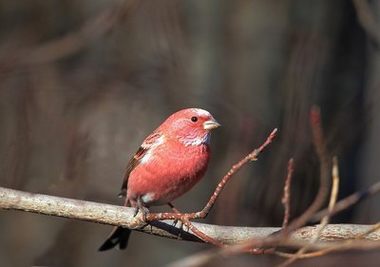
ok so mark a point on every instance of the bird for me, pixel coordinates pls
(169, 162)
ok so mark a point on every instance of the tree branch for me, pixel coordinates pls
(122, 216)
(367, 20)
(73, 42)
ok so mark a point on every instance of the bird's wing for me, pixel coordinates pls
(148, 143)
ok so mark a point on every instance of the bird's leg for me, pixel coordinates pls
(184, 220)
(173, 208)
(176, 220)
(141, 207)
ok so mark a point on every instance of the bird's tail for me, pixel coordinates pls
(119, 236)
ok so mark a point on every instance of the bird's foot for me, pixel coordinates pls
(180, 227)
(141, 208)
(145, 211)
(176, 221)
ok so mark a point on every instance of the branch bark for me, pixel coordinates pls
(122, 216)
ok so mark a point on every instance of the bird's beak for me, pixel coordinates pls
(210, 124)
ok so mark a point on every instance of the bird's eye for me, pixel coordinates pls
(194, 119)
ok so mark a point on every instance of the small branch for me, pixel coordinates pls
(374, 228)
(286, 197)
(333, 196)
(335, 187)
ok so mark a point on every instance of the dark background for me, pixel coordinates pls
(83, 82)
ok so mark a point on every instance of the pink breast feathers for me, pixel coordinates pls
(157, 182)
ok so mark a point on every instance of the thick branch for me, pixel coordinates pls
(123, 216)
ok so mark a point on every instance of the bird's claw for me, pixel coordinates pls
(145, 211)
(180, 227)
(174, 224)
(184, 222)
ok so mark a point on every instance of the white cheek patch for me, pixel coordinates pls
(149, 153)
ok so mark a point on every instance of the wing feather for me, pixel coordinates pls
(150, 141)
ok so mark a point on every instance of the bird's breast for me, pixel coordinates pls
(170, 171)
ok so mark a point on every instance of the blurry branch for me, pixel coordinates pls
(322, 248)
(355, 243)
(325, 220)
(72, 42)
(348, 201)
(286, 196)
(333, 195)
(367, 20)
(324, 182)
(122, 216)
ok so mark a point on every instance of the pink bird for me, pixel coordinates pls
(169, 163)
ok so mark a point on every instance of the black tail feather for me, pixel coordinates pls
(119, 236)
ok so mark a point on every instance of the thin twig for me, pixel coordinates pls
(286, 197)
(374, 228)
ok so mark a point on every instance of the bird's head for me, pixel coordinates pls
(190, 126)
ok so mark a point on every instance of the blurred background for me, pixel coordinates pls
(83, 82)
